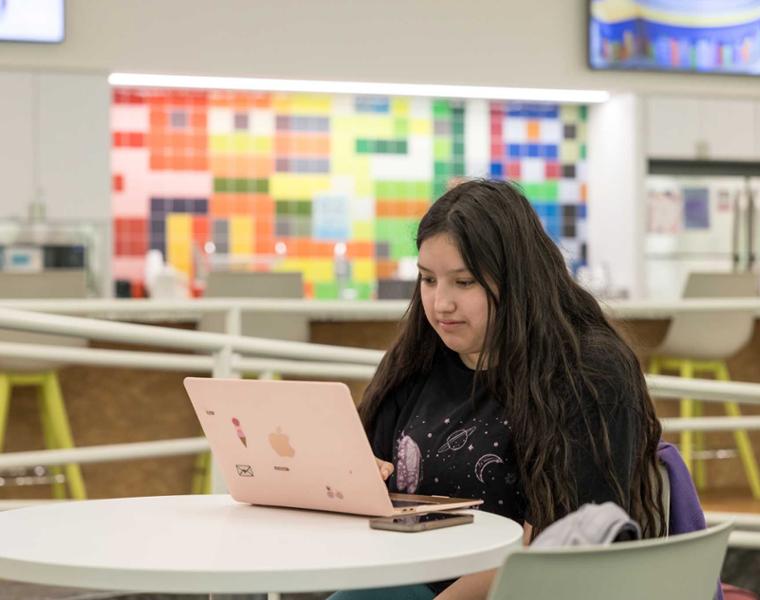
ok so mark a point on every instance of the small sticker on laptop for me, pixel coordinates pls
(210, 413)
(331, 493)
(244, 470)
(239, 431)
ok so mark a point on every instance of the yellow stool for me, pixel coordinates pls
(55, 424)
(693, 408)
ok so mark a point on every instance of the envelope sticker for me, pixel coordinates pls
(244, 470)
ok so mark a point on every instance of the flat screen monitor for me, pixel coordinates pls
(32, 21)
(700, 36)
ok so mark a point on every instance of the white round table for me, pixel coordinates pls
(212, 544)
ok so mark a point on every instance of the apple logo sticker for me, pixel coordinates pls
(281, 444)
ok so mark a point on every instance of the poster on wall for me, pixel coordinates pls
(703, 36)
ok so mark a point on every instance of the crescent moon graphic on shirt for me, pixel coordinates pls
(483, 462)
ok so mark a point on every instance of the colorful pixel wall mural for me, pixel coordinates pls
(283, 181)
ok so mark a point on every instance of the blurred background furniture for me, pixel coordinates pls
(43, 375)
(700, 343)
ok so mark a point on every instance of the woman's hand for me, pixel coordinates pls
(386, 468)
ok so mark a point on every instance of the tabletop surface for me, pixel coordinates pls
(187, 544)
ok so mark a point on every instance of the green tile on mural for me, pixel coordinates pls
(583, 151)
(401, 127)
(533, 191)
(583, 112)
(551, 190)
(441, 109)
(282, 207)
(442, 149)
(364, 291)
(457, 148)
(303, 207)
(457, 127)
(401, 147)
(326, 291)
(423, 189)
(441, 169)
(457, 168)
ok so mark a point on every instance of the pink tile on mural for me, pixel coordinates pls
(190, 184)
(128, 267)
(132, 165)
(130, 117)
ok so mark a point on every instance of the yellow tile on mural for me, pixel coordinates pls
(341, 124)
(320, 104)
(282, 185)
(400, 107)
(568, 151)
(282, 102)
(320, 270)
(373, 126)
(178, 238)
(364, 185)
(220, 143)
(363, 270)
(420, 127)
(262, 144)
(290, 265)
(362, 231)
(569, 113)
(241, 235)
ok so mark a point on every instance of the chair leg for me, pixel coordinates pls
(654, 365)
(59, 425)
(743, 442)
(59, 488)
(5, 402)
(687, 411)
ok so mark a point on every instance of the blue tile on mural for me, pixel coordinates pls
(497, 169)
(157, 226)
(282, 165)
(200, 206)
(581, 212)
(282, 123)
(157, 206)
(533, 150)
(514, 150)
(549, 151)
(372, 104)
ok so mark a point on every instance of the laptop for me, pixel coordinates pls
(298, 444)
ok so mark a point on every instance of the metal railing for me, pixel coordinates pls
(224, 356)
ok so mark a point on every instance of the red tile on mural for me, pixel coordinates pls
(514, 170)
(117, 183)
(553, 170)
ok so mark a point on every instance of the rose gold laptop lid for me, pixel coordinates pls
(299, 444)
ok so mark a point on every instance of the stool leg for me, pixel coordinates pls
(59, 424)
(5, 402)
(654, 365)
(687, 411)
(202, 474)
(743, 442)
(700, 466)
(59, 488)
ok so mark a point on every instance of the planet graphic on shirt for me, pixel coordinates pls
(457, 440)
(483, 462)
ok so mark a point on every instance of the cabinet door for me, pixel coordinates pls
(672, 127)
(727, 129)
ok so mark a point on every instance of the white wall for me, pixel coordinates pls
(501, 42)
(616, 207)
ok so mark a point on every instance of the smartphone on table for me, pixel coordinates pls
(423, 522)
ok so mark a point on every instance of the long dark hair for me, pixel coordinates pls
(544, 336)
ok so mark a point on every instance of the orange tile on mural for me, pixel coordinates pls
(386, 269)
(534, 130)
(360, 249)
(584, 192)
(263, 245)
(264, 229)
(158, 119)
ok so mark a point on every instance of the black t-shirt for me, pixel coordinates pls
(444, 440)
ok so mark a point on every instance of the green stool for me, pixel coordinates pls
(55, 424)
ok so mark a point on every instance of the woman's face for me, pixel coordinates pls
(455, 304)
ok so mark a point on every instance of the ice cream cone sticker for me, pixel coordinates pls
(239, 431)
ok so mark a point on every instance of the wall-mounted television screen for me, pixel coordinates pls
(702, 36)
(31, 21)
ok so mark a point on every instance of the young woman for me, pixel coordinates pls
(507, 383)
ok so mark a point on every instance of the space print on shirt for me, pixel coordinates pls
(452, 457)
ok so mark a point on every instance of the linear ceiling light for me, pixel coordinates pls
(359, 87)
